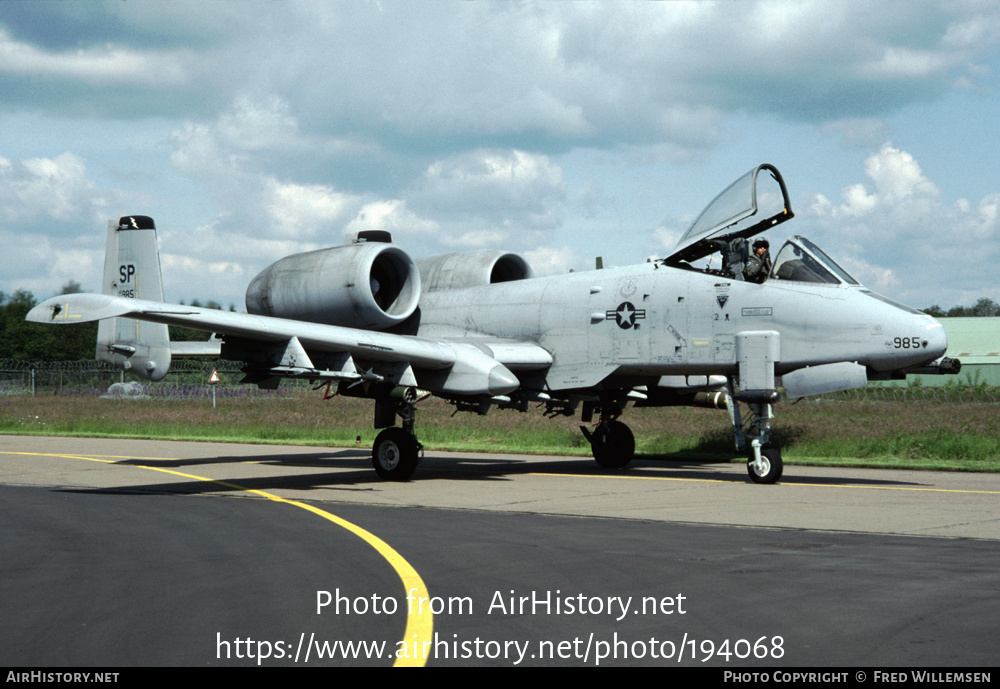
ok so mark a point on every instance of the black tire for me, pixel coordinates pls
(772, 469)
(394, 454)
(613, 445)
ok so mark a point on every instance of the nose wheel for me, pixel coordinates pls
(765, 468)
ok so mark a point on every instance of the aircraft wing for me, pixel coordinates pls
(211, 349)
(446, 366)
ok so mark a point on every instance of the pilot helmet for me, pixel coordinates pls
(761, 243)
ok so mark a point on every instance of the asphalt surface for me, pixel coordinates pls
(121, 553)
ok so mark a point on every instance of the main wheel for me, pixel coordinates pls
(394, 454)
(769, 469)
(613, 444)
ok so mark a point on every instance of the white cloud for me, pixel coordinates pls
(666, 238)
(858, 201)
(503, 193)
(900, 186)
(294, 122)
(471, 181)
(197, 151)
(252, 125)
(481, 198)
(859, 132)
(217, 260)
(984, 223)
(879, 278)
(898, 177)
(895, 234)
(899, 62)
(475, 239)
(42, 264)
(230, 155)
(451, 74)
(102, 64)
(307, 211)
(38, 191)
(393, 216)
(589, 198)
(548, 260)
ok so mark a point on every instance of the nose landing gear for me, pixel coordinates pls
(764, 463)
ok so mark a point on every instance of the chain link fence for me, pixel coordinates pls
(904, 394)
(188, 378)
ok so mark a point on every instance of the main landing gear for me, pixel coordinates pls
(612, 443)
(395, 453)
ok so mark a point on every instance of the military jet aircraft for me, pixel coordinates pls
(477, 329)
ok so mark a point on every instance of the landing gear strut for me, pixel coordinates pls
(764, 463)
(396, 450)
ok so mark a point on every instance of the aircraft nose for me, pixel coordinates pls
(937, 340)
(919, 339)
(907, 338)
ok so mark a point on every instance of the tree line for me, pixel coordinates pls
(36, 342)
(982, 308)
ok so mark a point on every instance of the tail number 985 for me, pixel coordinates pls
(908, 343)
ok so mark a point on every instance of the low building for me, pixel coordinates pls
(976, 343)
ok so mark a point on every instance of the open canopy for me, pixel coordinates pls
(755, 202)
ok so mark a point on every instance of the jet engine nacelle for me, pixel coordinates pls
(368, 285)
(472, 269)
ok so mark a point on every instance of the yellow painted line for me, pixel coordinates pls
(907, 488)
(130, 458)
(780, 483)
(96, 458)
(419, 625)
(631, 478)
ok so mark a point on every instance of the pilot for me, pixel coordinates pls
(758, 266)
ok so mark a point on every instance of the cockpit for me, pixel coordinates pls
(802, 261)
(754, 203)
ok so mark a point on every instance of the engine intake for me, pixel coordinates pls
(370, 285)
(472, 269)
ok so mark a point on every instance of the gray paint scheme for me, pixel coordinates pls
(678, 325)
(601, 338)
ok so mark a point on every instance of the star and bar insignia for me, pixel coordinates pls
(626, 315)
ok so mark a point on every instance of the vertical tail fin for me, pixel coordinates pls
(132, 270)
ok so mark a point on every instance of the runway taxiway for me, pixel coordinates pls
(948, 504)
(123, 552)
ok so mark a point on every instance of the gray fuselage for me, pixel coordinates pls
(651, 320)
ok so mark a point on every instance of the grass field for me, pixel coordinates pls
(928, 435)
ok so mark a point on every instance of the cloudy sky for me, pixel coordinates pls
(251, 130)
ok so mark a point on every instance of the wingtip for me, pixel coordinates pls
(75, 308)
(46, 312)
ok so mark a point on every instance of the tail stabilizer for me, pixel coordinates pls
(132, 270)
